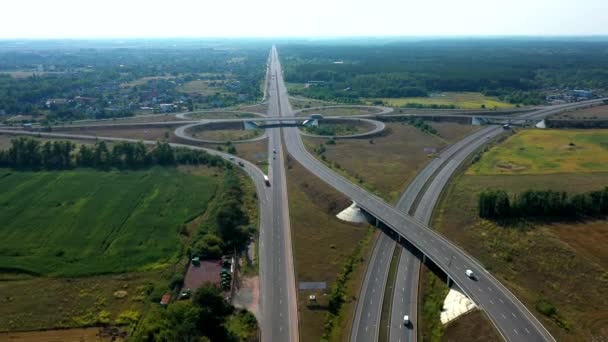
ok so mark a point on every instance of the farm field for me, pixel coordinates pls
(97, 222)
(386, 164)
(312, 210)
(546, 151)
(62, 335)
(459, 100)
(33, 303)
(597, 112)
(562, 263)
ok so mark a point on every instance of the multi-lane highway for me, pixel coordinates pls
(277, 278)
(512, 318)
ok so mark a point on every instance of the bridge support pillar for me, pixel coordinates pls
(448, 281)
(424, 258)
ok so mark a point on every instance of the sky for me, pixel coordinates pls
(303, 18)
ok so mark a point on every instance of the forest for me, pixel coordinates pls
(515, 70)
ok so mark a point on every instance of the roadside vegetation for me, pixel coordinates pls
(341, 250)
(208, 317)
(554, 265)
(433, 291)
(387, 163)
(30, 154)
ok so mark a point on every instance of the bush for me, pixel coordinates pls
(545, 308)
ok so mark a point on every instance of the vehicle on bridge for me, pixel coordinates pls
(266, 180)
(470, 274)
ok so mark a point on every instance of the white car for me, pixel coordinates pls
(470, 274)
(406, 320)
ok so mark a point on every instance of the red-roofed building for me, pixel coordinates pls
(165, 299)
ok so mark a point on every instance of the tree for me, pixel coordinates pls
(163, 153)
(102, 155)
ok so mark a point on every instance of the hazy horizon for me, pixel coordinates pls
(113, 19)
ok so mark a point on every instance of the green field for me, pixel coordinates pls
(84, 222)
(459, 100)
(546, 151)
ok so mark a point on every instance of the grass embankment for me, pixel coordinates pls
(340, 111)
(597, 112)
(335, 129)
(455, 99)
(227, 134)
(386, 164)
(433, 291)
(385, 316)
(302, 102)
(312, 209)
(82, 222)
(557, 269)
(220, 115)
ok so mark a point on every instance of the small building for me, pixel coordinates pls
(166, 107)
(164, 301)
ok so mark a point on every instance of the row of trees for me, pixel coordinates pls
(31, 154)
(227, 229)
(542, 204)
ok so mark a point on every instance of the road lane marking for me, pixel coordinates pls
(491, 302)
(513, 315)
(528, 331)
(517, 333)
(500, 299)
(503, 316)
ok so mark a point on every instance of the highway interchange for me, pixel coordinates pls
(409, 220)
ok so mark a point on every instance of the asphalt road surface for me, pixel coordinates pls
(279, 306)
(512, 318)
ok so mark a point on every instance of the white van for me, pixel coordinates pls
(469, 274)
(406, 320)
